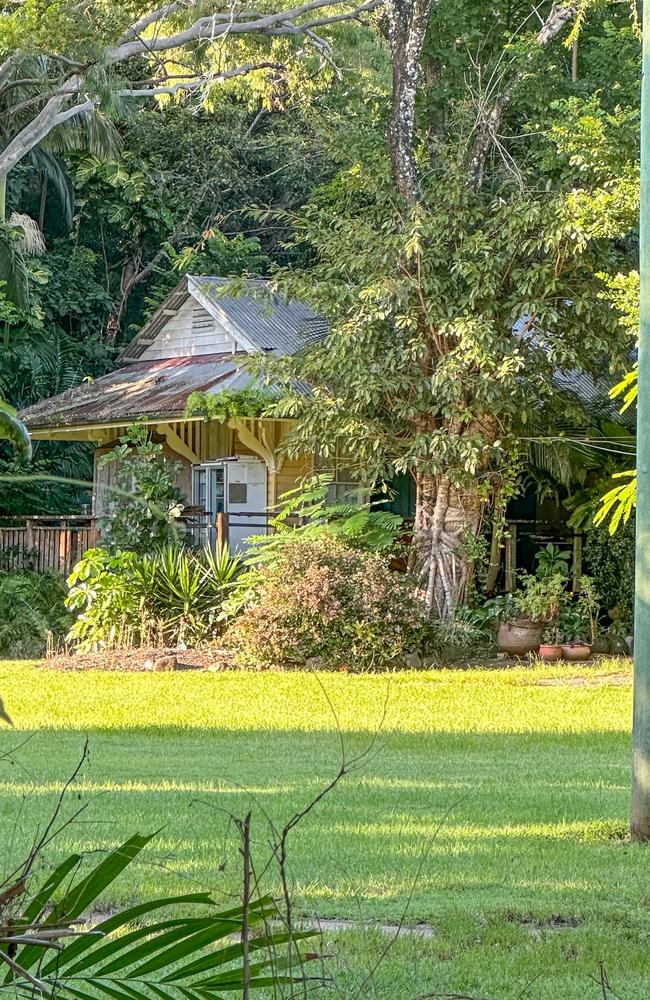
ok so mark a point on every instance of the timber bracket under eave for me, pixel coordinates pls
(256, 439)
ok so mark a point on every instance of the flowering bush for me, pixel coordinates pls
(320, 598)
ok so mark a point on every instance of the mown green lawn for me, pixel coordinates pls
(492, 806)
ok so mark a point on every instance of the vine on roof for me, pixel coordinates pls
(252, 401)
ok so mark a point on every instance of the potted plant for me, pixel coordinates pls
(529, 612)
(573, 627)
(579, 622)
(550, 649)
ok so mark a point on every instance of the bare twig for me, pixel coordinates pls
(245, 830)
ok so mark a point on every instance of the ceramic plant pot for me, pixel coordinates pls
(550, 652)
(520, 637)
(576, 651)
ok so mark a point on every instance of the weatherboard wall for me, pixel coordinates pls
(189, 332)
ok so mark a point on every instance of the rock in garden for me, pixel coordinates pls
(165, 663)
(316, 663)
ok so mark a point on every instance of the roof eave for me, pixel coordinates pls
(59, 432)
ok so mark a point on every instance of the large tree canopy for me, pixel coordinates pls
(456, 298)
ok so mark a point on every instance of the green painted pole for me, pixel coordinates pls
(640, 817)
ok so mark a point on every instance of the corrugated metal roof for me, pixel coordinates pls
(269, 320)
(592, 390)
(145, 389)
(152, 389)
(265, 319)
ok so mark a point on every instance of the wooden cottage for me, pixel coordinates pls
(195, 341)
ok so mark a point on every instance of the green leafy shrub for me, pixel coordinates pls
(579, 616)
(33, 608)
(144, 505)
(469, 632)
(539, 599)
(124, 598)
(321, 598)
(609, 561)
(231, 404)
(359, 525)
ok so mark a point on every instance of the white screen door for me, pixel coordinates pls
(237, 487)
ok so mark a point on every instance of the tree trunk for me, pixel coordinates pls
(446, 518)
(498, 524)
(407, 25)
(127, 280)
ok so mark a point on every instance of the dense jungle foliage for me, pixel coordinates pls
(123, 213)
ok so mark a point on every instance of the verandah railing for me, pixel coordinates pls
(46, 543)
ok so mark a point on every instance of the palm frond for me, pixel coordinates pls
(13, 430)
(31, 239)
(14, 273)
(55, 174)
(129, 956)
(551, 460)
(90, 131)
(40, 366)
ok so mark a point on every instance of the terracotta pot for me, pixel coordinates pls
(550, 652)
(520, 637)
(576, 651)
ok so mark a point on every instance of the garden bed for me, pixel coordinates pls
(142, 658)
(212, 658)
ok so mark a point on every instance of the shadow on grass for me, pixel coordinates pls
(504, 818)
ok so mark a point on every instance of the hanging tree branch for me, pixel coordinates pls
(486, 134)
(217, 26)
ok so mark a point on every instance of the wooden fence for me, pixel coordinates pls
(45, 543)
(54, 544)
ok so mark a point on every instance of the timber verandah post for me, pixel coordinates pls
(640, 806)
(223, 529)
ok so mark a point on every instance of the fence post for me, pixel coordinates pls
(65, 547)
(28, 540)
(511, 558)
(222, 529)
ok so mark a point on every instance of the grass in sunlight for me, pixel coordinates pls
(493, 807)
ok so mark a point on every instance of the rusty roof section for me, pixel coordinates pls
(149, 389)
